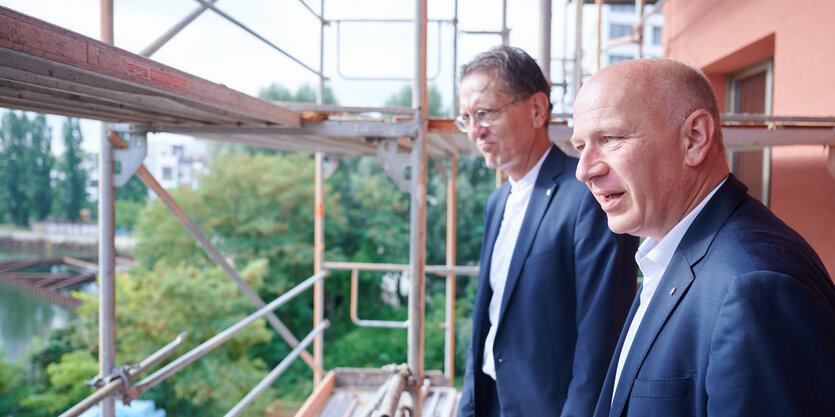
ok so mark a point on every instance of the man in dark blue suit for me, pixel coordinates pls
(736, 313)
(555, 283)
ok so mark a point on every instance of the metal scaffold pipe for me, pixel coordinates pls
(107, 240)
(417, 221)
(277, 371)
(214, 253)
(218, 339)
(118, 384)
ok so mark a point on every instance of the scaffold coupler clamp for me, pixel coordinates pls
(122, 372)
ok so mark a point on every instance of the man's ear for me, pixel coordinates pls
(697, 133)
(540, 109)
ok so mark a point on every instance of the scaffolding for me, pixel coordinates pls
(48, 69)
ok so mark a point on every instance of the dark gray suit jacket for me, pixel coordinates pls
(748, 331)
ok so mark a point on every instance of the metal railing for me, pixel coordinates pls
(448, 272)
(119, 385)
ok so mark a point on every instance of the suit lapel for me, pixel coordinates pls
(605, 399)
(678, 275)
(543, 193)
(483, 292)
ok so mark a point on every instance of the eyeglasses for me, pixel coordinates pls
(483, 117)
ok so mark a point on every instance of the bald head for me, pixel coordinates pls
(650, 143)
(672, 88)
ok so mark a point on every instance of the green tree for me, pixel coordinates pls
(156, 305)
(305, 94)
(40, 170)
(475, 182)
(13, 165)
(130, 200)
(26, 164)
(11, 390)
(134, 190)
(67, 386)
(73, 179)
(252, 207)
(403, 98)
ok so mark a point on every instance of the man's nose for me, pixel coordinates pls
(475, 130)
(590, 165)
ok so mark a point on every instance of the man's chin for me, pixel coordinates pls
(617, 225)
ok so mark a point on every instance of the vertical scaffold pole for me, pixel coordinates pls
(545, 38)
(451, 249)
(318, 257)
(319, 221)
(417, 221)
(454, 109)
(107, 236)
(578, 48)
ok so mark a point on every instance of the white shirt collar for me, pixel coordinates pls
(657, 254)
(529, 179)
(653, 257)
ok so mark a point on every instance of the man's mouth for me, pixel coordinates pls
(607, 200)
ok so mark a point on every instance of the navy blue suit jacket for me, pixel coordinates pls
(742, 323)
(568, 291)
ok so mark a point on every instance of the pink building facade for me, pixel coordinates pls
(778, 57)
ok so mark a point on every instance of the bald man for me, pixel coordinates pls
(736, 314)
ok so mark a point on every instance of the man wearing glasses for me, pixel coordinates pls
(555, 284)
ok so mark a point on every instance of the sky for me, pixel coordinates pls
(216, 49)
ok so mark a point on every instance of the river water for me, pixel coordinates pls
(24, 317)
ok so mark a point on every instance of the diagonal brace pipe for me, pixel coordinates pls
(219, 339)
(215, 254)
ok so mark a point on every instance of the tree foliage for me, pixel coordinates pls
(26, 165)
(257, 208)
(11, 390)
(66, 386)
(156, 305)
(403, 98)
(72, 177)
(40, 163)
(305, 94)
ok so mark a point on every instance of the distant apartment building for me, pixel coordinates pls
(617, 23)
(177, 161)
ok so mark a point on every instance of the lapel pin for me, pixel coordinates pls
(672, 290)
(548, 192)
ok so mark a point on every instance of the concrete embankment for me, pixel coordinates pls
(69, 235)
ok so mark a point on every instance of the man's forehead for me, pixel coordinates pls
(480, 90)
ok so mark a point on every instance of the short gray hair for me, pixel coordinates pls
(521, 74)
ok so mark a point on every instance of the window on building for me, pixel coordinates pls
(613, 58)
(167, 173)
(749, 91)
(627, 8)
(656, 35)
(617, 30)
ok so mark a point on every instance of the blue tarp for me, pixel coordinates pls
(138, 408)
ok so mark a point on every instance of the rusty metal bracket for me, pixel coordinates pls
(130, 158)
(329, 165)
(394, 163)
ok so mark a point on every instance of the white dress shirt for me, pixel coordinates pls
(514, 213)
(653, 257)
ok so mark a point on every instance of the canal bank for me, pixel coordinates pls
(71, 236)
(24, 315)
